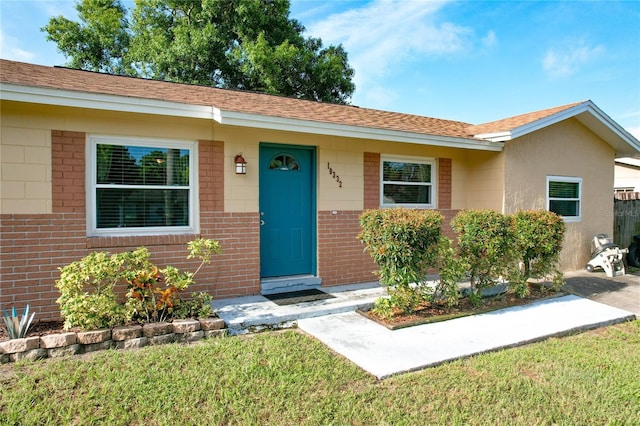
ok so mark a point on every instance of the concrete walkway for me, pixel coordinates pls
(383, 352)
(596, 301)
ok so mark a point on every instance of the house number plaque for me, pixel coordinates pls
(334, 175)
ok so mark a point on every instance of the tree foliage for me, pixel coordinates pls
(233, 44)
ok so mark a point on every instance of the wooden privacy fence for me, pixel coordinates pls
(627, 221)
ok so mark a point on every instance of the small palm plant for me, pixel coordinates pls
(18, 327)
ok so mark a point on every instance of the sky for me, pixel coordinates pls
(472, 61)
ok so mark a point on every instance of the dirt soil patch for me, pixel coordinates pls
(430, 312)
(39, 328)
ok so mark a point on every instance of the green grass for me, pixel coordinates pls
(289, 378)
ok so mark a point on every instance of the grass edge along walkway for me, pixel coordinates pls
(290, 378)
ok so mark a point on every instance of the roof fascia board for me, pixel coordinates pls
(68, 98)
(613, 126)
(548, 121)
(233, 118)
(585, 107)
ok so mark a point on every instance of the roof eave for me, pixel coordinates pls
(77, 99)
(68, 98)
(588, 114)
(233, 118)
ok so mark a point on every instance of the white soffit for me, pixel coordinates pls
(77, 99)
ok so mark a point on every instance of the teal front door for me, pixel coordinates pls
(287, 210)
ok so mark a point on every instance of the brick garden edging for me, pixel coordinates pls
(124, 337)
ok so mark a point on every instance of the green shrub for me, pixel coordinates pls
(402, 243)
(87, 290)
(451, 270)
(89, 296)
(199, 306)
(485, 244)
(538, 237)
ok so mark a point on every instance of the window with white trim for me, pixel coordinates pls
(407, 182)
(564, 197)
(140, 186)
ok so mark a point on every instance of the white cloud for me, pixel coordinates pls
(10, 49)
(490, 39)
(567, 60)
(385, 33)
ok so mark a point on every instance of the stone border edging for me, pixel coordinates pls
(123, 337)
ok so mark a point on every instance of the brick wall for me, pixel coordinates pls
(444, 183)
(371, 180)
(33, 247)
(341, 259)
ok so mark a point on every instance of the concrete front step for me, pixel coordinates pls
(255, 313)
(289, 284)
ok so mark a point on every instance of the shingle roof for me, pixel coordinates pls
(58, 78)
(508, 124)
(239, 101)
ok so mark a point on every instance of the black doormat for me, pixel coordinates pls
(302, 296)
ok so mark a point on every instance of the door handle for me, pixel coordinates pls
(261, 222)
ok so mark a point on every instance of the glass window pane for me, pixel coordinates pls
(407, 194)
(406, 172)
(284, 162)
(125, 208)
(564, 208)
(564, 189)
(137, 165)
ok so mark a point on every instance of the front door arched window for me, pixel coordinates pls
(284, 162)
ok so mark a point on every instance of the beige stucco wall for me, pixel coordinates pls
(25, 157)
(564, 149)
(485, 180)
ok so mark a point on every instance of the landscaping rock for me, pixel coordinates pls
(4, 359)
(126, 332)
(157, 329)
(215, 333)
(211, 324)
(19, 345)
(58, 340)
(194, 336)
(93, 337)
(186, 326)
(32, 355)
(101, 346)
(162, 339)
(74, 349)
(138, 342)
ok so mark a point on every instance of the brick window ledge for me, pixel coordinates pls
(139, 240)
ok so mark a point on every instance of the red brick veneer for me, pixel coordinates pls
(341, 259)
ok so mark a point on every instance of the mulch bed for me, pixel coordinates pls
(431, 312)
(39, 328)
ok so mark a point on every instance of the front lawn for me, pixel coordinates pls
(290, 378)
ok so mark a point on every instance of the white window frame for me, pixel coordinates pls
(567, 179)
(416, 160)
(91, 185)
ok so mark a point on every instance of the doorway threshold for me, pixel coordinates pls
(289, 283)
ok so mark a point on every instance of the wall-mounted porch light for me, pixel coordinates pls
(241, 165)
